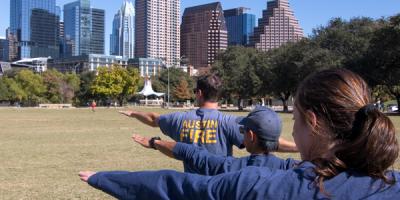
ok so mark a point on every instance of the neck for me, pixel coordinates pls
(209, 105)
(258, 152)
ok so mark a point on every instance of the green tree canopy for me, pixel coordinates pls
(33, 86)
(116, 83)
(382, 61)
(175, 77)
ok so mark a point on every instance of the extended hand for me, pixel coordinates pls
(85, 175)
(127, 113)
(144, 141)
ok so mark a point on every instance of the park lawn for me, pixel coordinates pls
(42, 151)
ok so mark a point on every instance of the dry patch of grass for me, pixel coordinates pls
(42, 151)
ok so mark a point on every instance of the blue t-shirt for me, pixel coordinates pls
(207, 128)
(248, 183)
(200, 161)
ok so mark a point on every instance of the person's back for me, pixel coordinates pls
(207, 128)
(299, 183)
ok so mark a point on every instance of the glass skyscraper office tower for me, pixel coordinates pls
(34, 25)
(83, 29)
(123, 33)
(240, 26)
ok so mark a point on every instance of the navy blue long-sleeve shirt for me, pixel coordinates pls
(248, 183)
(200, 161)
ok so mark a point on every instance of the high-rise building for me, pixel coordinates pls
(123, 35)
(45, 39)
(61, 30)
(12, 46)
(277, 26)
(4, 49)
(157, 32)
(34, 25)
(240, 26)
(203, 34)
(97, 43)
(83, 28)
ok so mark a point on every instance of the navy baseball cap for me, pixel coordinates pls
(266, 124)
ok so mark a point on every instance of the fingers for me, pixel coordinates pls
(141, 140)
(137, 137)
(127, 113)
(85, 175)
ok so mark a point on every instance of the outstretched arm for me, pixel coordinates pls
(250, 183)
(286, 146)
(148, 118)
(199, 160)
(164, 147)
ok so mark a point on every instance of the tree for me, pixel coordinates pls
(85, 95)
(53, 81)
(4, 91)
(73, 85)
(33, 86)
(116, 83)
(131, 86)
(15, 91)
(175, 76)
(347, 40)
(293, 62)
(60, 88)
(239, 67)
(383, 58)
(182, 91)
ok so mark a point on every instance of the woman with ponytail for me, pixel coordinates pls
(347, 148)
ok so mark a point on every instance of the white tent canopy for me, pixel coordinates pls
(148, 89)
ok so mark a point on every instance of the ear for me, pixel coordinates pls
(200, 92)
(252, 136)
(313, 118)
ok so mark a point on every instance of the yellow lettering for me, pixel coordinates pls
(184, 124)
(191, 135)
(191, 124)
(197, 124)
(212, 124)
(205, 123)
(182, 135)
(211, 137)
(197, 136)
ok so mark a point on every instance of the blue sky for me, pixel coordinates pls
(311, 13)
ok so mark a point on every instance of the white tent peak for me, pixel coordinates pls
(148, 89)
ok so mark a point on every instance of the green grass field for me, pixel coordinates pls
(42, 151)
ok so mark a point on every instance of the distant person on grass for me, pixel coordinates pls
(261, 130)
(93, 106)
(205, 127)
(346, 144)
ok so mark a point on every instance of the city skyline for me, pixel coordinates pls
(311, 14)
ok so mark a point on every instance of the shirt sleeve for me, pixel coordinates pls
(233, 134)
(249, 183)
(170, 125)
(203, 162)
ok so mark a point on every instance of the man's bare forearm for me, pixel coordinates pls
(148, 118)
(165, 147)
(286, 146)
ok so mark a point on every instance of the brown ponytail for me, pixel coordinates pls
(359, 136)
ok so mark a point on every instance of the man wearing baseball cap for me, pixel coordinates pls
(261, 129)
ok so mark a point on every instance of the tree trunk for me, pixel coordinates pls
(285, 98)
(285, 106)
(240, 104)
